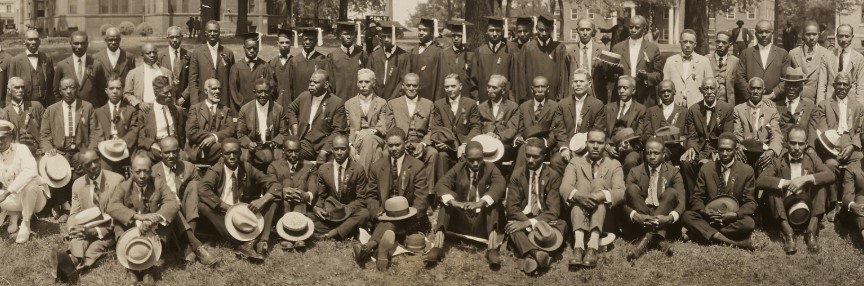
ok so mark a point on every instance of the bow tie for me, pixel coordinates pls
(687, 57)
(796, 160)
(709, 108)
(33, 55)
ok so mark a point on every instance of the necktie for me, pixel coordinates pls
(71, 121)
(472, 190)
(534, 202)
(594, 165)
(722, 62)
(723, 171)
(168, 121)
(394, 177)
(796, 160)
(95, 192)
(80, 70)
(842, 51)
(538, 111)
(584, 60)
(339, 180)
(234, 187)
(652, 199)
(251, 64)
(755, 122)
(213, 117)
(176, 57)
(621, 112)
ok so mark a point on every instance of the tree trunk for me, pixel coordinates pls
(696, 18)
(508, 4)
(449, 9)
(289, 15)
(343, 10)
(242, 17)
(560, 20)
(474, 12)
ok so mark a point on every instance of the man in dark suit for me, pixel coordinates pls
(113, 59)
(68, 126)
(5, 60)
(575, 114)
(532, 197)
(315, 116)
(162, 120)
(425, 60)
(583, 57)
(797, 110)
(455, 120)
(150, 205)
(726, 176)
(341, 183)
(725, 67)
(706, 120)
(470, 194)
(538, 112)
(655, 199)
(261, 127)
(80, 67)
(243, 76)
(624, 113)
(667, 113)
(790, 37)
(300, 182)
(26, 115)
(210, 60)
(37, 70)
(640, 59)
(280, 67)
(115, 119)
(765, 61)
(740, 38)
(208, 124)
(230, 182)
(497, 112)
(392, 176)
(177, 60)
(456, 58)
(181, 178)
(796, 175)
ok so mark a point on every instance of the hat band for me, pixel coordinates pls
(793, 78)
(295, 230)
(398, 213)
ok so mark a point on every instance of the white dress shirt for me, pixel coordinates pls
(454, 104)
(113, 57)
(79, 70)
(34, 61)
(150, 73)
(411, 104)
(399, 163)
(586, 58)
(763, 54)
(667, 110)
(262, 120)
(843, 107)
(162, 126)
(69, 108)
(708, 113)
(577, 110)
(635, 46)
(538, 103)
(316, 102)
(111, 108)
(172, 57)
(532, 184)
(336, 167)
(214, 54)
(623, 108)
(496, 106)
(793, 104)
(169, 179)
(844, 56)
(227, 192)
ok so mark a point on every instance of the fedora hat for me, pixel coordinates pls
(793, 75)
(609, 58)
(417, 243)
(753, 149)
(578, 142)
(336, 210)
(624, 135)
(797, 211)
(262, 156)
(832, 140)
(723, 203)
(114, 150)
(546, 237)
(138, 252)
(535, 131)
(88, 218)
(242, 223)
(493, 149)
(396, 208)
(55, 170)
(295, 226)
(669, 134)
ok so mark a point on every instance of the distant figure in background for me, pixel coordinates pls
(790, 37)
(741, 38)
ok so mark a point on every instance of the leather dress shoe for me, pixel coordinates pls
(746, 244)
(528, 265)
(363, 252)
(812, 241)
(576, 261)
(148, 279)
(300, 246)
(543, 259)
(590, 260)
(640, 248)
(204, 256)
(434, 255)
(665, 247)
(382, 264)
(789, 244)
(245, 251)
(493, 257)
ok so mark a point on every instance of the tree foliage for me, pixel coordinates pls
(438, 9)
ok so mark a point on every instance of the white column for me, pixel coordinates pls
(672, 33)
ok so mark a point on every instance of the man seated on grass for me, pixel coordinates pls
(299, 182)
(340, 209)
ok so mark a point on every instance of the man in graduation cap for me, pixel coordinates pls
(495, 57)
(426, 60)
(241, 79)
(390, 62)
(345, 61)
(280, 66)
(307, 61)
(457, 59)
(210, 60)
(524, 33)
(544, 57)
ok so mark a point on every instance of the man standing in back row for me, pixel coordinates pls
(210, 60)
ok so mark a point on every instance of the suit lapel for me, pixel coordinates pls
(772, 53)
(754, 53)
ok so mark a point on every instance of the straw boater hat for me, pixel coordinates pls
(6, 128)
(797, 211)
(55, 170)
(114, 150)
(723, 203)
(242, 223)
(88, 218)
(295, 226)
(793, 75)
(138, 252)
(832, 141)
(396, 208)
(493, 149)
(546, 237)
(578, 142)
(609, 58)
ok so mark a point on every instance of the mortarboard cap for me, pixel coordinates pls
(313, 32)
(250, 36)
(288, 33)
(525, 20)
(431, 23)
(461, 26)
(499, 21)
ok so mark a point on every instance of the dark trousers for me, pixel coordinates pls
(739, 47)
(205, 155)
(737, 230)
(344, 228)
(217, 218)
(668, 201)
(474, 224)
(815, 199)
(523, 245)
(308, 151)
(402, 228)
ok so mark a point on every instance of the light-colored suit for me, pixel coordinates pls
(827, 114)
(368, 147)
(133, 91)
(416, 126)
(856, 61)
(91, 249)
(687, 83)
(816, 83)
(607, 177)
(725, 76)
(769, 118)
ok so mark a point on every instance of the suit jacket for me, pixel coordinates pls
(465, 124)
(81, 198)
(30, 121)
(213, 184)
(726, 77)
(600, 74)
(457, 183)
(520, 187)
(767, 130)
(102, 66)
(180, 71)
(769, 178)
(746, 37)
(351, 192)
(670, 180)
(144, 127)
(750, 66)
(631, 119)
(817, 77)
(831, 67)
(593, 114)
(329, 120)
(303, 178)
(241, 81)
(200, 124)
(790, 37)
(578, 178)
(827, 115)
(648, 60)
(247, 124)
(126, 117)
(127, 200)
(86, 88)
(133, 90)
(702, 136)
(741, 185)
(357, 120)
(687, 83)
(498, 124)
(20, 66)
(526, 117)
(184, 174)
(5, 60)
(202, 68)
(87, 130)
(803, 114)
(416, 126)
(654, 119)
(411, 184)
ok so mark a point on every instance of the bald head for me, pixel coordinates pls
(112, 38)
(112, 32)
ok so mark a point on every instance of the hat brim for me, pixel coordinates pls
(559, 239)
(608, 61)
(103, 150)
(728, 202)
(238, 235)
(797, 204)
(124, 241)
(411, 212)
(348, 212)
(578, 142)
(56, 159)
(485, 140)
(426, 246)
(793, 80)
(833, 151)
(280, 229)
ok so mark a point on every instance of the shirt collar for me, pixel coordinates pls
(29, 53)
(542, 44)
(729, 166)
(309, 54)
(670, 106)
(344, 165)
(458, 50)
(794, 101)
(208, 104)
(250, 61)
(18, 104)
(416, 98)
(577, 99)
(764, 48)
(843, 101)
(98, 178)
(704, 103)
(214, 47)
(532, 172)
(114, 53)
(598, 162)
(69, 104)
(229, 172)
(635, 42)
(539, 102)
(458, 98)
(158, 106)
(259, 106)
(82, 58)
(347, 49)
(319, 96)
(586, 45)
(751, 105)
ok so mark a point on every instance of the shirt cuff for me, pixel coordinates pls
(533, 222)
(608, 196)
(164, 221)
(311, 197)
(488, 199)
(561, 150)
(632, 213)
(446, 199)
(99, 233)
(675, 216)
(570, 196)
(849, 206)
(215, 136)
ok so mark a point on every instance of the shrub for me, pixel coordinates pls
(126, 28)
(104, 27)
(144, 29)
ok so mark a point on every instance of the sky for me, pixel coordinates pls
(402, 9)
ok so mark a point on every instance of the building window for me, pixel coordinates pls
(103, 7)
(730, 15)
(665, 15)
(574, 14)
(590, 14)
(73, 7)
(574, 34)
(40, 8)
(665, 35)
(123, 7)
(251, 5)
(751, 14)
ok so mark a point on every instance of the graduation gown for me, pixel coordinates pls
(241, 81)
(388, 71)
(282, 72)
(302, 69)
(486, 63)
(343, 69)
(459, 63)
(429, 66)
(548, 61)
